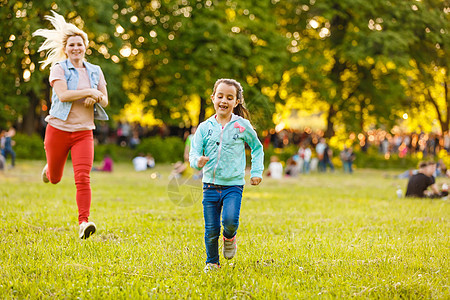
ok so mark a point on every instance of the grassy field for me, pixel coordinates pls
(316, 236)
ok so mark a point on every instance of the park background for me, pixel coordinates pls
(356, 72)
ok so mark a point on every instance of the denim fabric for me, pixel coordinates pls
(348, 166)
(60, 109)
(216, 200)
(306, 166)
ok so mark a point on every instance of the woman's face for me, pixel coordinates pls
(75, 48)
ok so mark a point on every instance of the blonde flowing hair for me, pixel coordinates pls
(56, 39)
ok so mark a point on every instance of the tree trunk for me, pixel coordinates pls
(330, 125)
(442, 122)
(447, 102)
(29, 119)
(201, 116)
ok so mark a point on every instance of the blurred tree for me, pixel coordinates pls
(428, 82)
(362, 62)
(182, 48)
(348, 54)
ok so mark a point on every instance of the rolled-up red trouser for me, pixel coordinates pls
(57, 144)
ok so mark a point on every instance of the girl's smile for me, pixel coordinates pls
(225, 100)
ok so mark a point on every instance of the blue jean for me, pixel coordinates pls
(217, 199)
(306, 166)
(348, 167)
(9, 151)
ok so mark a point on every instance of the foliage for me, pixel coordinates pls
(117, 153)
(323, 235)
(164, 150)
(429, 82)
(375, 160)
(356, 63)
(24, 86)
(283, 154)
(371, 159)
(29, 147)
(346, 54)
(191, 46)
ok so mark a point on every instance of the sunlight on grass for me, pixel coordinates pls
(331, 235)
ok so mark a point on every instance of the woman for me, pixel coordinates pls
(79, 91)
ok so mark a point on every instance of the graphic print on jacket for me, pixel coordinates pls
(225, 148)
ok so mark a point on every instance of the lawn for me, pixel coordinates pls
(321, 235)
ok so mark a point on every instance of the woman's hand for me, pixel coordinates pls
(255, 180)
(96, 95)
(202, 161)
(103, 101)
(89, 102)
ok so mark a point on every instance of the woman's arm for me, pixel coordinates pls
(66, 95)
(103, 101)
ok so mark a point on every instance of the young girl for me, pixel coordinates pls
(79, 88)
(218, 147)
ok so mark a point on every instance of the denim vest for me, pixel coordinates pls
(60, 109)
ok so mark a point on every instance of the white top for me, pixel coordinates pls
(305, 154)
(140, 163)
(276, 170)
(320, 148)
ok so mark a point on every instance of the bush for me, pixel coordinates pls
(117, 153)
(167, 150)
(370, 159)
(29, 147)
(373, 159)
(283, 154)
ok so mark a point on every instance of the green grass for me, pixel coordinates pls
(331, 236)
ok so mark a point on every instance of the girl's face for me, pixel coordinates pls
(225, 100)
(75, 48)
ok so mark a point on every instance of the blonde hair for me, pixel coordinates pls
(56, 39)
(240, 109)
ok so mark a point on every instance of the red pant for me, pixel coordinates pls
(81, 144)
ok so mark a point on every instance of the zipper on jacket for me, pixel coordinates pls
(218, 153)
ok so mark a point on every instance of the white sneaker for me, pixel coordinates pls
(44, 174)
(229, 247)
(211, 267)
(87, 229)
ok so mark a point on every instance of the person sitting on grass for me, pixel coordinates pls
(140, 162)
(419, 183)
(107, 165)
(275, 169)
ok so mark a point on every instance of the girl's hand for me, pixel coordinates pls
(89, 102)
(255, 180)
(202, 161)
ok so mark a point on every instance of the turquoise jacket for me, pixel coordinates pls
(226, 151)
(60, 109)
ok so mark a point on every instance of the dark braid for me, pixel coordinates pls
(240, 109)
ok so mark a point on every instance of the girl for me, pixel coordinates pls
(79, 93)
(218, 147)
